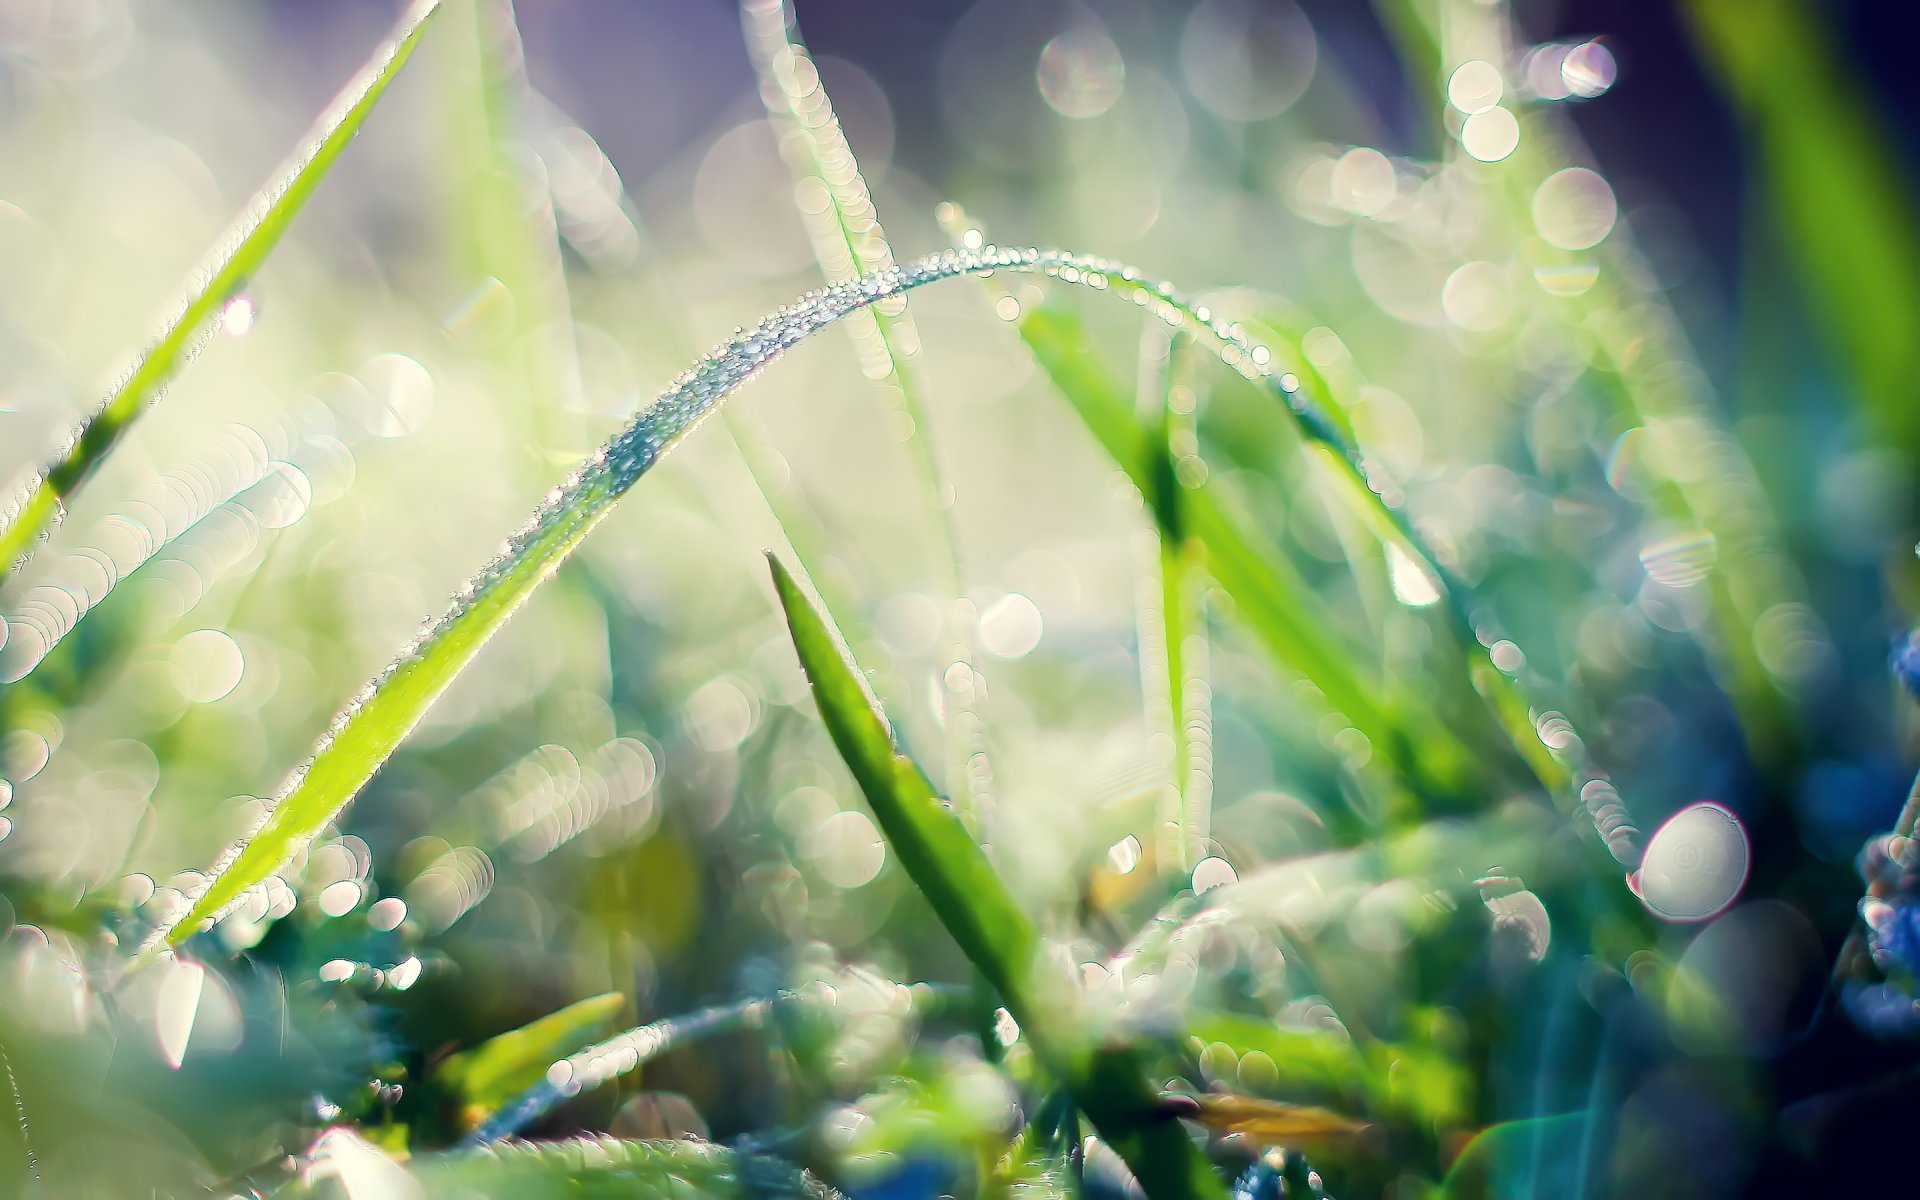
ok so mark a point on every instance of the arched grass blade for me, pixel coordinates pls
(975, 907)
(368, 731)
(219, 276)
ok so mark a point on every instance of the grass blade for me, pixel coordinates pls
(500, 1068)
(975, 907)
(235, 257)
(849, 243)
(368, 731)
(559, 1079)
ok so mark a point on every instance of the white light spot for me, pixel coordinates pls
(846, 849)
(336, 970)
(338, 899)
(404, 975)
(1475, 297)
(1695, 864)
(1475, 87)
(1588, 70)
(1124, 855)
(363, 1169)
(1363, 181)
(206, 665)
(237, 317)
(1247, 61)
(399, 395)
(387, 914)
(175, 1007)
(1412, 585)
(1010, 627)
(1081, 73)
(1210, 873)
(1490, 135)
(1574, 209)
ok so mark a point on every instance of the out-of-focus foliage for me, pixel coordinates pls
(1431, 757)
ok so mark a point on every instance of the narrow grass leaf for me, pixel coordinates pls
(218, 278)
(368, 731)
(975, 907)
(501, 1068)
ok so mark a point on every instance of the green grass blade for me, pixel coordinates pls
(559, 1079)
(975, 907)
(500, 1068)
(1276, 603)
(849, 243)
(223, 273)
(368, 731)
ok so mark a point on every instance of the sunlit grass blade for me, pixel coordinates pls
(501, 1068)
(192, 318)
(975, 907)
(559, 1079)
(849, 242)
(1277, 604)
(368, 731)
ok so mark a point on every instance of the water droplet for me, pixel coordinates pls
(1695, 863)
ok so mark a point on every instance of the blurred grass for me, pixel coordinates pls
(625, 793)
(220, 277)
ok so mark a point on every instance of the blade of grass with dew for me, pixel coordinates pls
(368, 731)
(849, 243)
(560, 1079)
(222, 274)
(1172, 618)
(1268, 594)
(487, 1076)
(605, 233)
(976, 909)
(1843, 207)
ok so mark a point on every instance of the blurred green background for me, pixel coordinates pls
(1622, 298)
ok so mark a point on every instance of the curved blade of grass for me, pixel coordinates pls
(977, 910)
(368, 731)
(224, 272)
(500, 1068)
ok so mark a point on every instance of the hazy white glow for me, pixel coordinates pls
(1490, 135)
(1574, 209)
(1475, 87)
(176, 1006)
